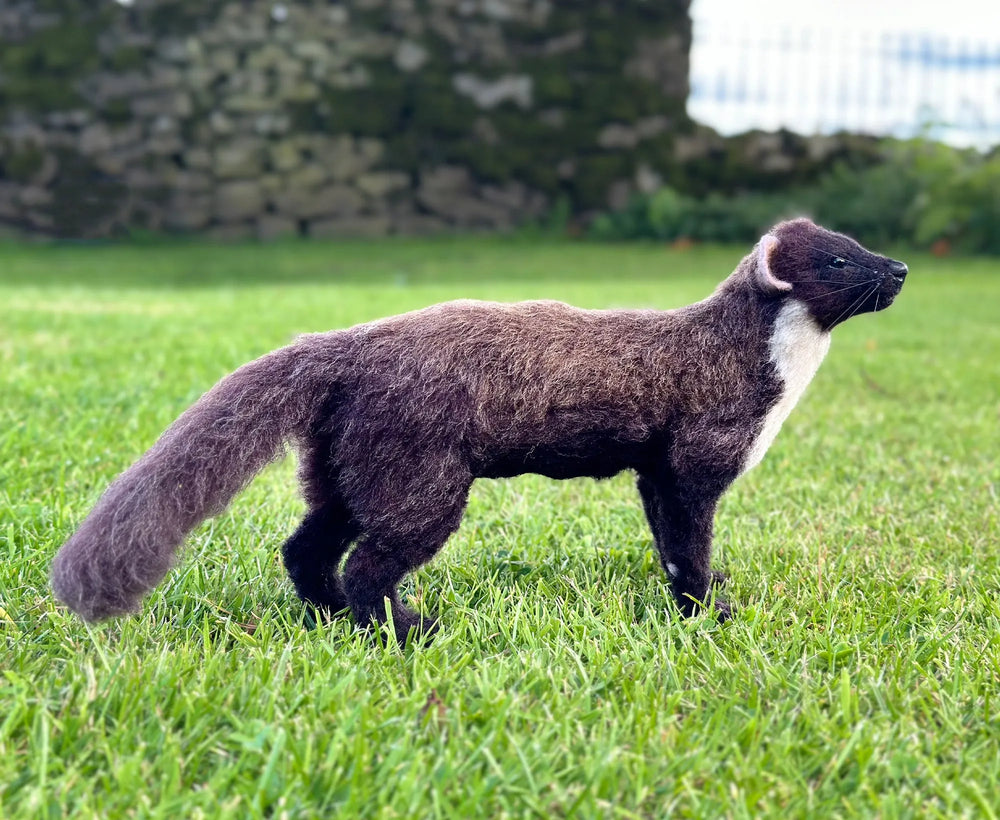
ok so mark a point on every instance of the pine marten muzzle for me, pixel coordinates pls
(394, 420)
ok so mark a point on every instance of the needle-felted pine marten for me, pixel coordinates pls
(396, 418)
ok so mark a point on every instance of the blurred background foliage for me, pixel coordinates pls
(918, 192)
(251, 119)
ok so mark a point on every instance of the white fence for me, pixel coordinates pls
(820, 78)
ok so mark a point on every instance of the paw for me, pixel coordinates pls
(690, 606)
(316, 614)
(718, 578)
(407, 626)
(323, 605)
(723, 610)
(415, 629)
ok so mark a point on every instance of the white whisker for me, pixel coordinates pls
(849, 311)
(839, 290)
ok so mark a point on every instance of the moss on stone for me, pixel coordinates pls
(377, 110)
(437, 110)
(737, 163)
(127, 58)
(173, 17)
(19, 163)
(117, 112)
(577, 63)
(39, 72)
(84, 200)
(594, 176)
(426, 122)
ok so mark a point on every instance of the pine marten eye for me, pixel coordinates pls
(838, 263)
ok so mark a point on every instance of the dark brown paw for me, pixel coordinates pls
(723, 611)
(407, 626)
(316, 614)
(689, 607)
(416, 629)
(718, 578)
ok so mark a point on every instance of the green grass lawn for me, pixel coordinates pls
(859, 677)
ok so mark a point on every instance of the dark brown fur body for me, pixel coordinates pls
(395, 419)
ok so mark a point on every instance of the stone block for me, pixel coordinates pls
(271, 123)
(285, 155)
(378, 184)
(190, 182)
(410, 56)
(271, 184)
(346, 158)
(489, 93)
(310, 175)
(313, 203)
(188, 212)
(9, 195)
(34, 197)
(164, 145)
(448, 192)
(172, 104)
(96, 139)
(314, 50)
(272, 226)
(617, 135)
(268, 56)
(197, 158)
(242, 157)
(298, 90)
(235, 201)
(662, 61)
(253, 103)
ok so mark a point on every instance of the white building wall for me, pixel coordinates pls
(886, 68)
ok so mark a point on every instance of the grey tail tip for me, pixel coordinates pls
(92, 606)
(130, 539)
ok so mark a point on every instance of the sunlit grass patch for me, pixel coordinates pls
(858, 678)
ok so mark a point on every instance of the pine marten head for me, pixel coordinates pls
(830, 273)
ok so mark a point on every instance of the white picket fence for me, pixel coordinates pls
(820, 78)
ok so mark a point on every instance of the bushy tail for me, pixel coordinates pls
(129, 540)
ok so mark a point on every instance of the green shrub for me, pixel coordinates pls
(920, 192)
(875, 203)
(962, 205)
(668, 215)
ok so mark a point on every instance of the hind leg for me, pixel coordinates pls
(411, 524)
(312, 555)
(371, 576)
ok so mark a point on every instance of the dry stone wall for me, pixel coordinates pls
(366, 117)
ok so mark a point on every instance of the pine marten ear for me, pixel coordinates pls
(765, 278)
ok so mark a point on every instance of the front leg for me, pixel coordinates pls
(681, 520)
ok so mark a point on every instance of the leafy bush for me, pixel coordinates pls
(921, 193)
(874, 203)
(961, 205)
(670, 215)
